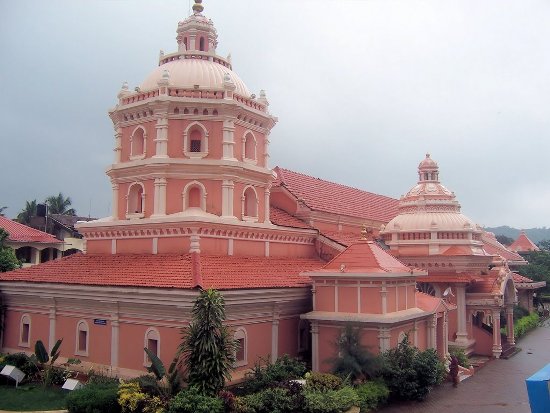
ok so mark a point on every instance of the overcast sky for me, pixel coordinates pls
(362, 90)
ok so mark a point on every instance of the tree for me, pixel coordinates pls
(504, 240)
(8, 259)
(354, 359)
(24, 217)
(58, 204)
(538, 268)
(544, 245)
(208, 348)
(2, 209)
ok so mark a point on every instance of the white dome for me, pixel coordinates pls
(437, 221)
(187, 73)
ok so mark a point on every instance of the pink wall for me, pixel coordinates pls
(259, 341)
(99, 338)
(99, 246)
(176, 245)
(484, 341)
(371, 300)
(347, 299)
(134, 246)
(324, 298)
(291, 250)
(39, 330)
(288, 336)
(328, 335)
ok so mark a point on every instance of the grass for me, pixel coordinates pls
(31, 397)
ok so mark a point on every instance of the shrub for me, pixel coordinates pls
(409, 373)
(131, 399)
(273, 400)
(261, 377)
(526, 324)
(460, 356)
(354, 360)
(191, 400)
(323, 381)
(372, 395)
(22, 362)
(331, 401)
(520, 312)
(94, 398)
(228, 399)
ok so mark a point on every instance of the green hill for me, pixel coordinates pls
(535, 234)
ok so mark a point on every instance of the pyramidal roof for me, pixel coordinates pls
(365, 257)
(523, 243)
(22, 233)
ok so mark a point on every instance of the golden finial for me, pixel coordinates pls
(198, 7)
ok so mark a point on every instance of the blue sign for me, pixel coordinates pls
(100, 322)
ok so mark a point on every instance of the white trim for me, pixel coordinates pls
(139, 155)
(240, 333)
(204, 140)
(82, 325)
(151, 334)
(25, 319)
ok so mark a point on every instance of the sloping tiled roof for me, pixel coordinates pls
(22, 233)
(335, 198)
(520, 278)
(344, 238)
(429, 303)
(365, 257)
(493, 247)
(169, 271)
(284, 219)
(523, 243)
(69, 221)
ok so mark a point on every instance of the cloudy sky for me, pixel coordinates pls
(362, 90)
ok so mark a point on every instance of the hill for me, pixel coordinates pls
(535, 234)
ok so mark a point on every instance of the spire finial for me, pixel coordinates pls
(198, 7)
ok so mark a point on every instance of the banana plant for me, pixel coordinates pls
(43, 357)
(170, 386)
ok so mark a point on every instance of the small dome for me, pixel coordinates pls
(428, 163)
(187, 73)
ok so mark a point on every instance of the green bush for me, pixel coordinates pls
(94, 398)
(331, 401)
(271, 400)
(520, 312)
(372, 395)
(323, 381)
(460, 356)
(132, 400)
(22, 362)
(526, 324)
(410, 373)
(264, 376)
(191, 400)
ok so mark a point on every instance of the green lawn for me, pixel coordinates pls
(31, 397)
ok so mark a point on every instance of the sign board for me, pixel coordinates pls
(14, 373)
(100, 322)
(72, 384)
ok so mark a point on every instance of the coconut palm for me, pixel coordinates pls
(24, 217)
(2, 209)
(58, 204)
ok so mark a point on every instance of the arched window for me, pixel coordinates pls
(194, 196)
(152, 343)
(176, 111)
(137, 143)
(249, 147)
(250, 204)
(195, 140)
(240, 337)
(201, 44)
(136, 201)
(82, 338)
(25, 331)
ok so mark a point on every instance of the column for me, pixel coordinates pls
(432, 332)
(384, 338)
(275, 337)
(59, 254)
(228, 136)
(35, 256)
(510, 325)
(52, 317)
(161, 140)
(384, 293)
(50, 254)
(314, 346)
(118, 144)
(228, 188)
(114, 338)
(114, 214)
(497, 347)
(462, 332)
(266, 150)
(266, 206)
(159, 204)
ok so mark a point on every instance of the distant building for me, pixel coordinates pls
(523, 244)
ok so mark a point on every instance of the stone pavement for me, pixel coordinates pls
(498, 387)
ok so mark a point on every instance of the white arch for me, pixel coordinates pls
(151, 334)
(139, 202)
(241, 336)
(248, 133)
(185, 194)
(244, 217)
(204, 148)
(82, 350)
(138, 155)
(25, 332)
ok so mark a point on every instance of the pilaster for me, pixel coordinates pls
(228, 135)
(114, 187)
(159, 207)
(228, 189)
(462, 331)
(118, 144)
(161, 140)
(314, 346)
(497, 345)
(52, 317)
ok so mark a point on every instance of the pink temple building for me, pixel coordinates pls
(196, 205)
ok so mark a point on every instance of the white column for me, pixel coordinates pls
(52, 317)
(228, 136)
(314, 346)
(230, 246)
(462, 332)
(266, 248)
(59, 254)
(384, 338)
(159, 207)
(384, 293)
(266, 150)
(118, 144)
(446, 333)
(155, 245)
(266, 206)
(114, 214)
(275, 338)
(114, 339)
(113, 246)
(191, 44)
(161, 140)
(228, 188)
(510, 325)
(35, 256)
(497, 346)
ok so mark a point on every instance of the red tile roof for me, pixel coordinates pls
(169, 271)
(493, 247)
(520, 278)
(449, 278)
(344, 238)
(429, 303)
(365, 257)
(523, 243)
(335, 198)
(284, 219)
(22, 233)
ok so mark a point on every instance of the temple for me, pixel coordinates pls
(195, 205)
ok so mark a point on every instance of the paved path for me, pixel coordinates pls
(498, 387)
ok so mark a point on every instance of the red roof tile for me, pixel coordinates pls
(284, 219)
(449, 278)
(344, 238)
(365, 257)
(169, 271)
(523, 243)
(22, 233)
(429, 303)
(520, 278)
(335, 198)
(493, 247)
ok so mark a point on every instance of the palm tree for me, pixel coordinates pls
(58, 204)
(24, 217)
(2, 209)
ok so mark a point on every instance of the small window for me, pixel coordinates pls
(135, 199)
(201, 44)
(249, 147)
(25, 337)
(137, 143)
(250, 203)
(176, 111)
(195, 141)
(152, 343)
(82, 337)
(241, 351)
(195, 145)
(195, 197)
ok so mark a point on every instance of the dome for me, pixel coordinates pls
(187, 73)
(435, 221)
(427, 163)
